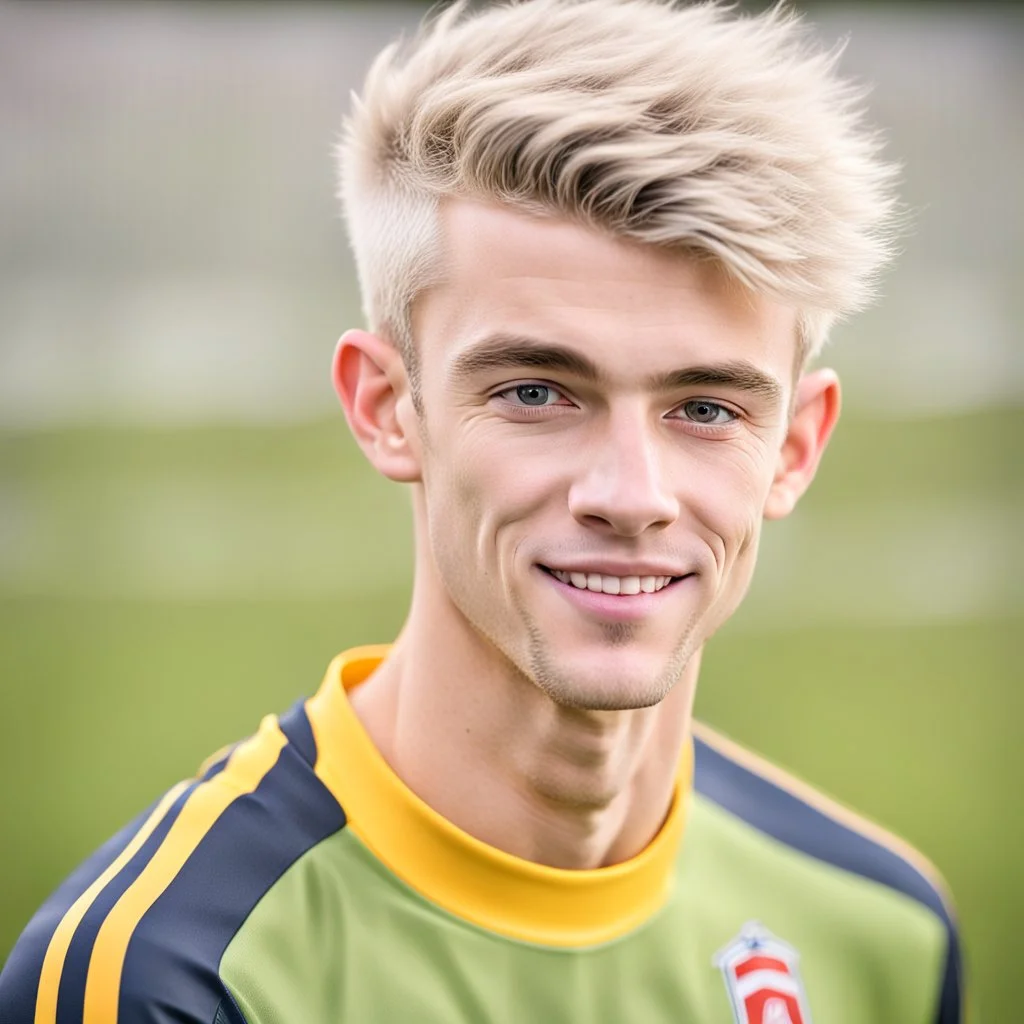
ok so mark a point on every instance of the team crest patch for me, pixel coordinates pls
(761, 977)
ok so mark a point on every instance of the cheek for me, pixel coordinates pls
(731, 518)
(727, 499)
(480, 497)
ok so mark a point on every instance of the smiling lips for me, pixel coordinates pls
(599, 583)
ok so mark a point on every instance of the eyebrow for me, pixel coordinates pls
(737, 374)
(512, 351)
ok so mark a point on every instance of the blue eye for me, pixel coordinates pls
(699, 410)
(536, 394)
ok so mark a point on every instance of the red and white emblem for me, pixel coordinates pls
(761, 978)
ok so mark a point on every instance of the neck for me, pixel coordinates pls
(492, 753)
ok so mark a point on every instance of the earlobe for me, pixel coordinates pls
(371, 383)
(810, 427)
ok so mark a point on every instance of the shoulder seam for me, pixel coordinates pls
(829, 807)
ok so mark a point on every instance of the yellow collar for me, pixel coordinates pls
(474, 881)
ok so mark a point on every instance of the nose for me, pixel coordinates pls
(621, 486)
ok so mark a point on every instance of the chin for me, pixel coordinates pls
(606, 680)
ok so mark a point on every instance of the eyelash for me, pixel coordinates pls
(533, 410)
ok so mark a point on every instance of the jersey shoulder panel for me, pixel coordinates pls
(146, 941)
(795, 814)
(45, 939)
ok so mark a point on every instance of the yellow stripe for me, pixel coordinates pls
(248, 765)
(831, 808)
(57, 951)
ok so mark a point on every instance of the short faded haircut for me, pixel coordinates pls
(691, 128)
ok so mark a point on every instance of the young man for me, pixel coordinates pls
(598, 243)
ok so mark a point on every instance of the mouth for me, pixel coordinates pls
(618, 586)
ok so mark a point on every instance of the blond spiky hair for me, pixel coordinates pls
(686, 127)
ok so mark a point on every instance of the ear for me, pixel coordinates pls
(810, 426)
(371, 381)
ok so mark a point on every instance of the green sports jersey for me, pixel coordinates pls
(296, 879)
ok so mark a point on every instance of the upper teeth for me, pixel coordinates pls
(602, 584)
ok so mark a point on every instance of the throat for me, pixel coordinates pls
(580, 830)
(562, 787)
(590, 805)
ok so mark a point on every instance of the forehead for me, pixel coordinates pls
(634, 310)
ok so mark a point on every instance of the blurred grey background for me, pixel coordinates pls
(187, 535)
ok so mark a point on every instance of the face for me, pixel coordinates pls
(602, 429)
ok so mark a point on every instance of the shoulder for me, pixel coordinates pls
(144, 922)
(790, 812)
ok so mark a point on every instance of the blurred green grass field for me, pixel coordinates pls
(160, 590)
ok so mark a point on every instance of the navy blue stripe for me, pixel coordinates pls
(951, 999)
(174, 956)
(784, 816)
(19, 979)
(71, 993)
(295, 725)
